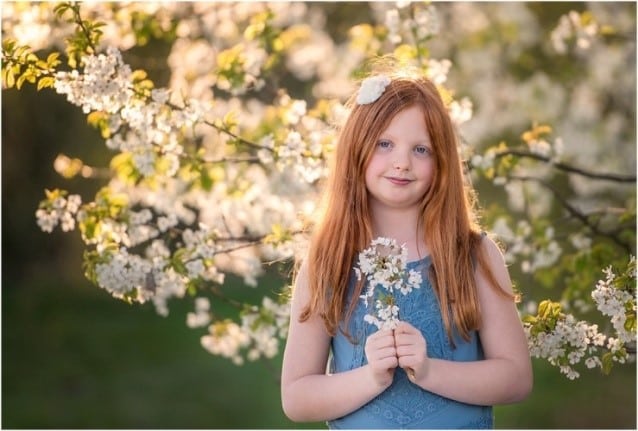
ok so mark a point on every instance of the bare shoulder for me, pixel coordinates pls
(301, 288)
(492, 250)
(495, 261)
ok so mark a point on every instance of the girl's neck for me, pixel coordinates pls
(404, 228)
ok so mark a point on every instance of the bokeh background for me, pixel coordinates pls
(73, 357)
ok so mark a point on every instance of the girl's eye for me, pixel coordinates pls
(422, 150)
(384, 144)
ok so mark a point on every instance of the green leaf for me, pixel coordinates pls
(52, 59)
(205, 180)
(61, 9)
(542, 308)
(10, 79)
(21, 51)
(607, 362)
(8, 45)
(20, 81)
(47, 81)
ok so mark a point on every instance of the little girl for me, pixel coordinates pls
(459, 347)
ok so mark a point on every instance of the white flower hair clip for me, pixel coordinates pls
(372, 88)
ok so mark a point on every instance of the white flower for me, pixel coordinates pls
(226, 339)
(47, 220)
(593, 362)
(461, 111)
(201, 316)
(384, 265)
(372, 88)
(393, 23)
(438, 69)
(616, 304)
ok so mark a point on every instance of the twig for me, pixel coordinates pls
(566, 167)
(75, 7)
(579, 215)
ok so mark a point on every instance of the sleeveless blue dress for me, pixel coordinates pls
(403, 404)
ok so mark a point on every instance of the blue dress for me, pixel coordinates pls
(403, 404)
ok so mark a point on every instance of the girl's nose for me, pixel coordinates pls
(401, 162)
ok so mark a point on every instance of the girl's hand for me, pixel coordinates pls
(382, 356)
(411, 351)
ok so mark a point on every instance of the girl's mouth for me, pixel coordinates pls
(399, 181)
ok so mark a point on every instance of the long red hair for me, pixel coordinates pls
(448, 217)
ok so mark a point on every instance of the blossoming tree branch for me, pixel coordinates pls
(218, 172)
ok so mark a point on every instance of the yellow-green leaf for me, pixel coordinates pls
(20, 81)
(139, 75)
(10, 80)
(45, 82)
(52, 59)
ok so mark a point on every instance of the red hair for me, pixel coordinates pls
(447, 214)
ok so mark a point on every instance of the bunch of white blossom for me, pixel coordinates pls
(565, 341)
(567, 344)
(574, 26)
(125, 274)
(58, 210)
(384, 265)
(201, 315)
(266, 326)
(408, 22)
(616, 303)
(258, 336)
(105, 84)
(149, 129)
(226, 339)
(533, 252)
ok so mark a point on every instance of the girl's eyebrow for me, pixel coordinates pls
(391, 137)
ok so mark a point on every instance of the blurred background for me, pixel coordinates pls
(73, 357)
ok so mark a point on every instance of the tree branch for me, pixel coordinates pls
(75, 7)
(566, 167)
(576, 213)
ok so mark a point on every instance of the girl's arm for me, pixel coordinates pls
(309, 394)
(505, 376)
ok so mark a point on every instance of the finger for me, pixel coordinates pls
(408, 339)
(381, 335)
(385, 352)
(389, 362)
(404, 328)
(384, 333)
(381, 355)
(380, 343)
(406, 350)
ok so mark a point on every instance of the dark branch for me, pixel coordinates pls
(75, 7)
(566, 167)
(576, 213)
(237, 137)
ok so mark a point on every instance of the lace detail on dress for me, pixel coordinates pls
(483, 422)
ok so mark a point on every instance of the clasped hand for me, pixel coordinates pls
(403, 347)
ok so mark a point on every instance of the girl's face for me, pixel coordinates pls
(401, 168)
